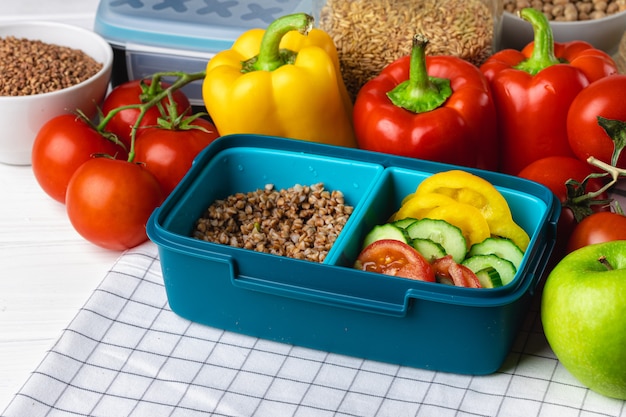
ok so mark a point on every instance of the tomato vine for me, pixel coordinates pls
(154, 96)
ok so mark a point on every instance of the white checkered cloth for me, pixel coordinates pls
(127, 354)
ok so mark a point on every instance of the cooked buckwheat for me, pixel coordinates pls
(300, 222)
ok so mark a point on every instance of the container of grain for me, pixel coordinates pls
(598, 22)
(47, 69)
(369, 34)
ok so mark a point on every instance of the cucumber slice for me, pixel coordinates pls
(443, 233)
(428, 249)
(385, 231)
(505, 268)
(489, 278)
(404, 223)
(502, 247)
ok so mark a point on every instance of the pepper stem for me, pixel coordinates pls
(420, 93)
(270, 55)
(543, 48)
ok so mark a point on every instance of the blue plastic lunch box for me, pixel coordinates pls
(330, 306)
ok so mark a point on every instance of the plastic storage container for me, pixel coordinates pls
(331, 306)
(370, 34)
(151, 36)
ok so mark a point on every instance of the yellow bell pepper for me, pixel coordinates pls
(283, 81)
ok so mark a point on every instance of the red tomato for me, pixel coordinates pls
(168, 154)
(553, 172)
(598, 228)
(460, 275)
(109, 202)
(605, 98)
(62, 145)
(392, 257)
(132, 92)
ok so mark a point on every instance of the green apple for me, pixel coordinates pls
(583, 311)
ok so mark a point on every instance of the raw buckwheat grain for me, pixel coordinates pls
(29, 67)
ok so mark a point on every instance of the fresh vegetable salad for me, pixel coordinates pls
(456, 228)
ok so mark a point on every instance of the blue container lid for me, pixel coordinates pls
(198, 25)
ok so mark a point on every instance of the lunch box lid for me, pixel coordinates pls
(197, 25)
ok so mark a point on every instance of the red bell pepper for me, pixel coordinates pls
(533, 90)
(437, 108)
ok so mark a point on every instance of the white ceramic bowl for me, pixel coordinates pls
(21, 117)
(604, 33)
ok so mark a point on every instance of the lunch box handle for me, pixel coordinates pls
(550, 242)
(320, 296)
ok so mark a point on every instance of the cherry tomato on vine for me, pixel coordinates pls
(109, 202)
(168, 154)
(553, 172)
(604, 97)
(392, 257)
(62, 145)
(598, 228)
(134, 92)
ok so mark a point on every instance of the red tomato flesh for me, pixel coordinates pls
(395, 258)
(459, 275)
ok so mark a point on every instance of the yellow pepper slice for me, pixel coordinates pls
(464, 216)
(417, 206)
(475, 191)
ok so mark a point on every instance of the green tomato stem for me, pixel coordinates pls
(616, 130)
(580, 201)
(182, 79)
(613, 171)
(543, 49)
(420, 93)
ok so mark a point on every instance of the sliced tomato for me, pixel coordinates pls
(461, 276)
(392, 257)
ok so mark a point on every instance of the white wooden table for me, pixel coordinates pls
(47, 271)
